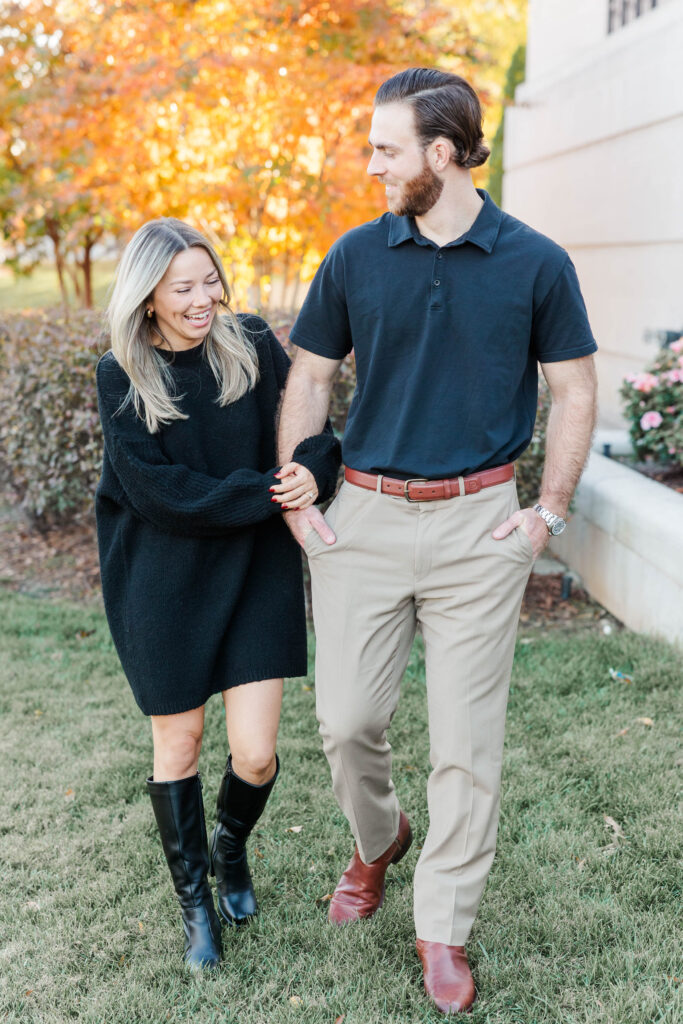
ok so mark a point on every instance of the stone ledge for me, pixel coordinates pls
(625, 541)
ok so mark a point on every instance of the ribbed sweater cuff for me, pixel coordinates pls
(321, 455)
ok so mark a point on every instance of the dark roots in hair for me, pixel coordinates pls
(443, 105)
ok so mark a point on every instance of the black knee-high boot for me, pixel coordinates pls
(179, 811)
(239, 807)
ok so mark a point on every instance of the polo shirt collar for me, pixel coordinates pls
(483, 232)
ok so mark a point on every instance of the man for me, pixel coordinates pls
(449, 304)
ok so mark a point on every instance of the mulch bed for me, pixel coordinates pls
(670, 476)
(61, 563)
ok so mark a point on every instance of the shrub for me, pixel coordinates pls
(652, 404)
(50, 437)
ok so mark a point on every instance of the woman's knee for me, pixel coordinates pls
(255, 764)
(176, 751)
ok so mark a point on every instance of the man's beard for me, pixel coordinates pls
(418, 195)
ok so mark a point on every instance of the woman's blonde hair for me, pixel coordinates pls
(231, 355)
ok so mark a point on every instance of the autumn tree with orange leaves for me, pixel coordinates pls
(248, 119)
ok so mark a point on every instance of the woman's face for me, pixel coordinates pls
(186, 299)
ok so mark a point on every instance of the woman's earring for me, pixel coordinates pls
(150, 313)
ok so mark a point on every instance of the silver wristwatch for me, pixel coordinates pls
(555, 524)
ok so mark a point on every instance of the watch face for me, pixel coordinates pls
(558, 527)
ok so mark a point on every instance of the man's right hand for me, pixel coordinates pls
(302, 521)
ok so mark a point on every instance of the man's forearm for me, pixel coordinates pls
(568, 437)
(303, 411)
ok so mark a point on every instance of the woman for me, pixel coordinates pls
(201, 578)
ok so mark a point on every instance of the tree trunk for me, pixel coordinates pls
(86, 267)
(53, 233)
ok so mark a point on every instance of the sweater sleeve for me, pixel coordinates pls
(173, 497)
(321, 454)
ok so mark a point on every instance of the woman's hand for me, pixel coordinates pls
(297, 488)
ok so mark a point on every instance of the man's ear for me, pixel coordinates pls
(441, 152)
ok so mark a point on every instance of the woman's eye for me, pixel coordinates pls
(181, 291)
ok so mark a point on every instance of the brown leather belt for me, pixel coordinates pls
(418, 489)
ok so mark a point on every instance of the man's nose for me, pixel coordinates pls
(376, 165)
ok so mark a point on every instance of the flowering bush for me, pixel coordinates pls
(652, 403)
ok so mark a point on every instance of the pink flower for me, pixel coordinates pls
(673, 376)
(645, 382)
(650, 419)
(672, 451)
(670, 409)
(677, 346)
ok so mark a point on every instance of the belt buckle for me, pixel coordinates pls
(413, 480)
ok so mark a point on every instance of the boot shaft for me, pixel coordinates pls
(240, 804)
(179, 811)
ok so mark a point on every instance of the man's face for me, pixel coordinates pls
(398, 161)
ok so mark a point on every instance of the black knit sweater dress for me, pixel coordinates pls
(202, 580)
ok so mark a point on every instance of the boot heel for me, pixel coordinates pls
(400, 854)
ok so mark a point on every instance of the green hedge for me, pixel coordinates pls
(50, 436)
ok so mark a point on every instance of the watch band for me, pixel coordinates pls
(554, 523)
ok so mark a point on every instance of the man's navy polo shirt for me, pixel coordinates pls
(446, 340)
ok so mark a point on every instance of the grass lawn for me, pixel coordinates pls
(41, 288)
(578, 922)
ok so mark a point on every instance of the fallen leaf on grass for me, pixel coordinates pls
(617, 834)
(620, 677)
(307, 689)
(38, 712)
(295, 1000)
(622, 732)
(28, 992)
(32, 905)
(82, 633)
(323, 899)
(645, 721)
(69, 796)
(141, 926)
(615, 826)
(340, 1019)
(295, 828)
(582, 863)
(257, 853)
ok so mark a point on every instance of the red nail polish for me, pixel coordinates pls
(285, 506)
(271, 488)
(273, 499)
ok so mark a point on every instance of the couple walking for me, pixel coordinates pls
(449, 304)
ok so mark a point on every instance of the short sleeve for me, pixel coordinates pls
(560, 328)
(322, 326)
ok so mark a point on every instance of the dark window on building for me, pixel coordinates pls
(620, 12)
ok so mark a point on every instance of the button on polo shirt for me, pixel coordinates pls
(446, 339)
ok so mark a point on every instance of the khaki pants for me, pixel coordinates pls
(395, 566)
